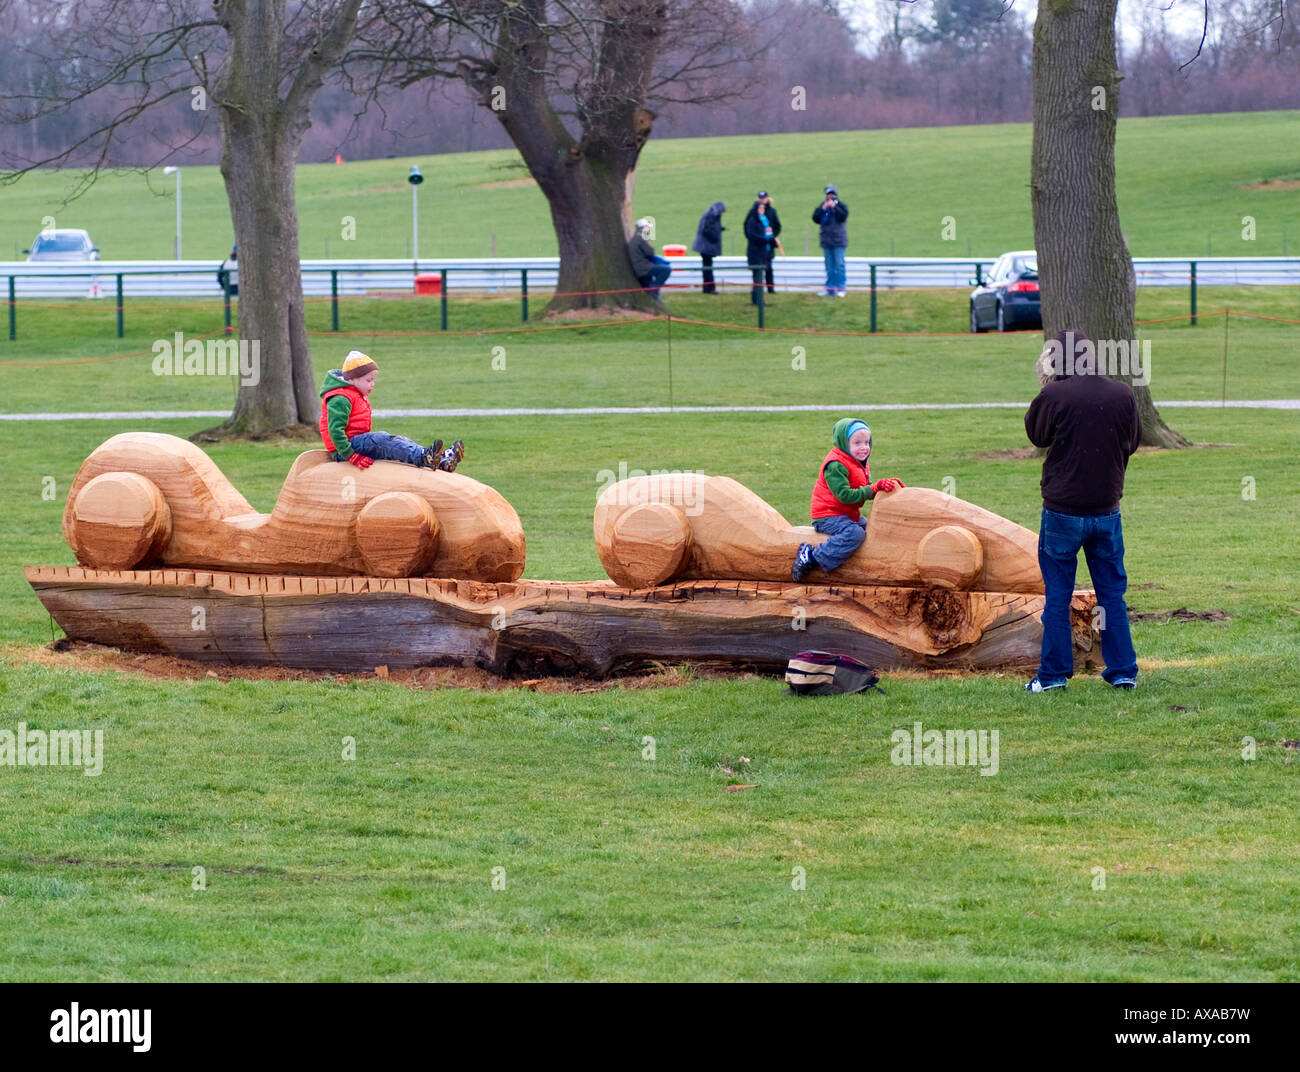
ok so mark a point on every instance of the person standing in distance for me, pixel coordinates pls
(708, 242)
(831, 215)
(762, 230)
(1090, 426)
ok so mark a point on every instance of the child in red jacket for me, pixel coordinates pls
(345, 423)
(843, 485)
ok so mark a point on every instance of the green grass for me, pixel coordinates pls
(1175, 198)
(618, 867)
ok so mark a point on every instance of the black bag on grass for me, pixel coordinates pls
(823, 673)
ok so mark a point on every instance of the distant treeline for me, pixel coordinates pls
(951, 62)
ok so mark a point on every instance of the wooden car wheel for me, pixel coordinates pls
(651, 543)
(950, 556)
(120, 521)
(397, 534)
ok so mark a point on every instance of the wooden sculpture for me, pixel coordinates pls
(143, 498)
(677, 526)
(938, 582)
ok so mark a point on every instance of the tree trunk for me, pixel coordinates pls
(261, 135)
(360, 623)
(586, 182)
(1086, 274)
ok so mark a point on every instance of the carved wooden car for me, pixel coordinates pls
(662, 527)
(144, 498)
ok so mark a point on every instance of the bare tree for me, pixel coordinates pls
(1087, 274)
(574, 83)
(260, 63)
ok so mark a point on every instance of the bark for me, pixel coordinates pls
(262, 131)
(1086, 275)
(535, 627)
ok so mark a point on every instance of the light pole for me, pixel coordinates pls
(168, 171)
(415, 178)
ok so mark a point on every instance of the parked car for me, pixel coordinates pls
(1008, 297)
(63, 244)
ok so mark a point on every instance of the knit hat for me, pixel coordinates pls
(356, 365)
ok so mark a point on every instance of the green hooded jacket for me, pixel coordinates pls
(837, 477)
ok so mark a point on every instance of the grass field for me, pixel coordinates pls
(621, 867)
(1184, 183)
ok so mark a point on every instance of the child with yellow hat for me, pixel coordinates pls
(345, 423)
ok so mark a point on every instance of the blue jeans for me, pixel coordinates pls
(658, 276)
(846, 536)
(1102, 540)
(388, 448)
(836, 275)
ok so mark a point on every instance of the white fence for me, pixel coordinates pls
(506, 274)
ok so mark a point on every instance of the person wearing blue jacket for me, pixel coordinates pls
(708, 241)
(831, 215)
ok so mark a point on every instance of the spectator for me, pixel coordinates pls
(1090, 426)
(650, 271)
(228, 273)
(762, 230)
(831, 214)
(708, 241)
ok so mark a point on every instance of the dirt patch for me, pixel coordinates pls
(1182, 614)
(1018, 454)
(597, 316)
(79, 655)
(505, 184)
(1272, 184)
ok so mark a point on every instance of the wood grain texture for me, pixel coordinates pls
(313, 526)
(735, 534)
(357, 623)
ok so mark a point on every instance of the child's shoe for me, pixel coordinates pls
(803, 563)
(433, 454)
(451, 457)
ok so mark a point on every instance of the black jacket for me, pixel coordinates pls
(834, 232)
(761, 248)
(708, 235)
(1089, 425)
(642, 255)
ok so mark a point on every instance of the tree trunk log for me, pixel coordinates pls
(262, 131)
(358, 623)
(1085, 272)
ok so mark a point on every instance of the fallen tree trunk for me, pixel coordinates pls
(358, 623)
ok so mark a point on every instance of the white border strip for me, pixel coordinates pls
(161, 414)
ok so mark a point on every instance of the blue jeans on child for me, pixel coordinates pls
(836, 275)
(384, 447)
(846, 536)
(1102, 538)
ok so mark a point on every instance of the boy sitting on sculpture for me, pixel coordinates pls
(345, 423)
(843, 485)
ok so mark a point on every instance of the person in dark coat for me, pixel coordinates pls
(762, 230)
(1090, 426)
(708, 241)
(228, 273)
(831, 215)
(651, 271)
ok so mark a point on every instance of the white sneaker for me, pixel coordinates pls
(841, 294)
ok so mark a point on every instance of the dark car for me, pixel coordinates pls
(1008, 296)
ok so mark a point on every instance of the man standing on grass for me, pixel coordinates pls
(1090, 426)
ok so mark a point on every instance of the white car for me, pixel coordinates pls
(63, 244)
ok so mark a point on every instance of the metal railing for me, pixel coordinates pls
(359, 278)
